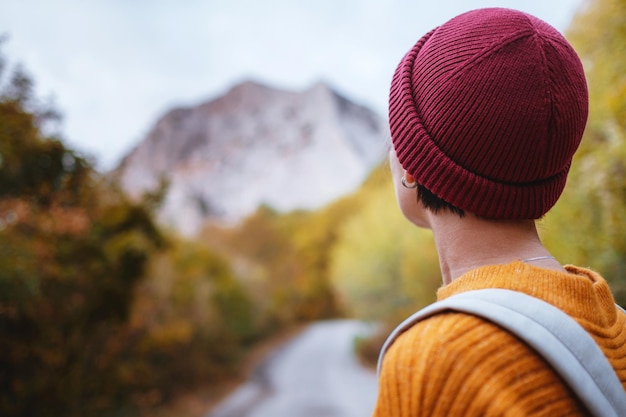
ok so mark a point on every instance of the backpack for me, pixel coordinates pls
(562, 342)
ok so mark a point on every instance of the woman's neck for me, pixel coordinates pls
(469, 242)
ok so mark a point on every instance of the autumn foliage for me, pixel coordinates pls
(102, 313)
(588, 225)
(71, 252)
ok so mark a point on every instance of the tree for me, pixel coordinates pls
(72, 250)
(588, 225)
(383, 267)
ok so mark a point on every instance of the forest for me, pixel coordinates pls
(104, 313)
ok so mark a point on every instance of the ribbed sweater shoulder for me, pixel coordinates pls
(455, 364)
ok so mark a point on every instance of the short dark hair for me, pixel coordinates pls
(434, 203)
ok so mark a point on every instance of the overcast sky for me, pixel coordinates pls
(114, 66)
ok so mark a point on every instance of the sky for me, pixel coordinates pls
(113, 67)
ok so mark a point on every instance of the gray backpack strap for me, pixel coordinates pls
(554, 335)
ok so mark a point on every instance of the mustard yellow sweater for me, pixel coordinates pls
(458, 365)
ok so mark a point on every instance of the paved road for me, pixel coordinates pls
(314, 375)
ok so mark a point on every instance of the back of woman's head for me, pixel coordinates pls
(486, 112)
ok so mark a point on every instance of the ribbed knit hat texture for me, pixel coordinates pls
(487, 110)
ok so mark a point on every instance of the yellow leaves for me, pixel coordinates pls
(598, 33)
(175, 332)
(616, 102)
(588, 224)
(190, 283)
(382, 263)
(282, 260)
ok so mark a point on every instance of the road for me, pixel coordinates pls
(314, 375)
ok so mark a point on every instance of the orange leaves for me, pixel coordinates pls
(54, 220)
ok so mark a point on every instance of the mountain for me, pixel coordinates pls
(255, 145)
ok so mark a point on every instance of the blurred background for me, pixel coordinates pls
(182, 183)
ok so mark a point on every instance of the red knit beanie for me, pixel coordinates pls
(487, 110)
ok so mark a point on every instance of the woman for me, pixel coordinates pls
(486, 112)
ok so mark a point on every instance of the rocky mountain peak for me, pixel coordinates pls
(255, 145)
